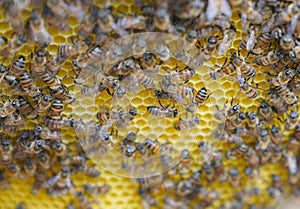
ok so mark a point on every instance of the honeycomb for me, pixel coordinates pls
(126, 192)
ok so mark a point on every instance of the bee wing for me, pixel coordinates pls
(51, 181)
(224, 45)
(213, 8)
(225, 8)
(130, 83)
(292, 26)
(292, 162)
(251, 42)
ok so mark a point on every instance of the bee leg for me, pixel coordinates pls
(108, 91)
(162, 105)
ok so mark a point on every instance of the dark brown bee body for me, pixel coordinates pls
(18, 67)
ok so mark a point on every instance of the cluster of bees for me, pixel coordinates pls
(37, 95)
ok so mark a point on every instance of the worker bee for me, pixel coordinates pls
(186, 124)
(216, 7)
(14, 120)
(172, 203)
(167, 186)
(276, 135)
(139, 47)
(58, 148)
(105, 20)
(162, 20)
(37, 31)
(14, 45)
(93, 90)
(277, 182)
(40, 178)
(283, 77)
(45, 133)
(227, 113)
(96, 190)
(211, 45)
(252, 173)
(29, 86)
(249, 13)
(248, 42)
(287, 42)
(229, 35)
(49, 17)
(54, 65)
(185, 161)
(78, 47)
(249, 90)
(234, 177)
(130, 83)
(183, 75)
(292, 120)
(271, 58)
(129, 150)
(3, 72)
(103, 114)
(129, 139)
(61, 92)
(44, 103)
(142, 149)
(88, 23)
(275, 194)
(148, 62)
(264, 139)
(236, 122)
(237, 151)
(18, 67)
(242, 66)
(131, 23)
(6, 151)
(145, 80)
(219, 170)
(163, 52)
(208, 172)
(265, 111)
(51, 80)
(184, 188)
(16, 21)
(179, 92)
(276, 154)
(83, 201)
(263, 40)
(39, 61)
(62, 181)
(225, 137)
(53, 123)
(23, 105)
(277, 103)
(14, 170)
(29, 166)
(201, 95)
(7, 108)
(56, 109)
(153, 146)
(122, 118)
(288, 96)
(90, 171)
(165, 111)
(58, 10)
